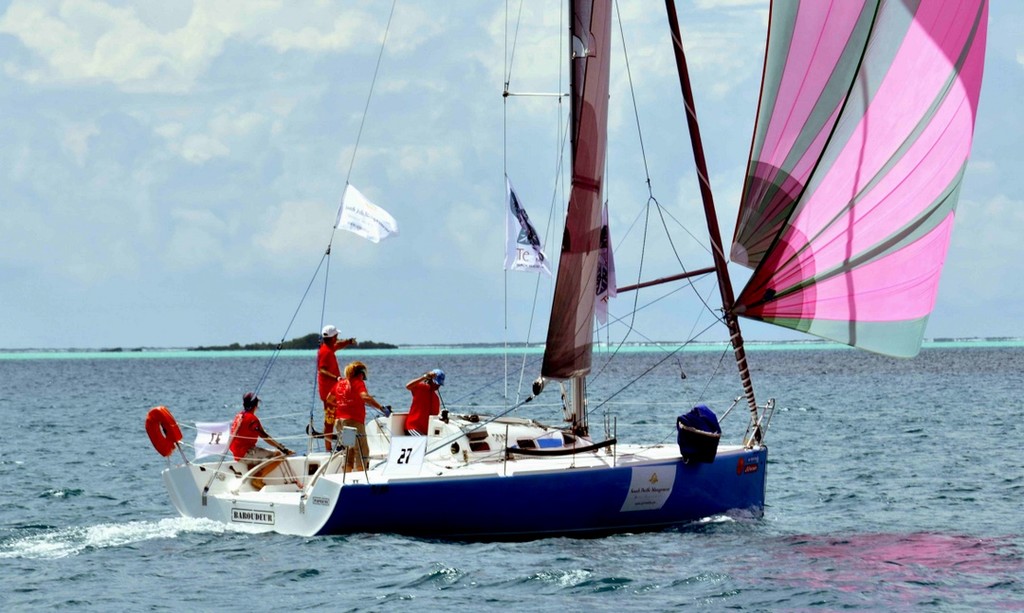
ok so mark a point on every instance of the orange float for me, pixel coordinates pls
(163, 431)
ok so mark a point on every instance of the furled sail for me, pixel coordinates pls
(864, 127)
(570, 331)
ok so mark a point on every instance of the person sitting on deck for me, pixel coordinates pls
(246, 430)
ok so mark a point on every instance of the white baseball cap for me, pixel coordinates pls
(329, 331)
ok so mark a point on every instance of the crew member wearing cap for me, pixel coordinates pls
(246, 430)
(328, 374)
(351, 397)
(425, 401)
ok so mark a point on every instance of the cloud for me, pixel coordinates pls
(147, 49)
(76, 140)
(706, 5)
(469, 226)
(96, 261)
(198, 239)
(193, 249)
(198, 148)
(440, 158)
(977, 167)
(294, 231)
(534, 47)
(412, 27)
(195, 146)
(984, 245)
(200, 219)
(223, 130)
(87, 41)
(340, 34)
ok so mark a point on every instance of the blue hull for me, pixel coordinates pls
(581, 502)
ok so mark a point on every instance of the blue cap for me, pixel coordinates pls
(438, 376)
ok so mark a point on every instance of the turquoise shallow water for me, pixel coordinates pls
(491, 350)
(892, 485)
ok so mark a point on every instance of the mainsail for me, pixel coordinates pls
(863, 132)
(570, 331)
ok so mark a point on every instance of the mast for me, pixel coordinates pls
(567, 351)
(721, 266)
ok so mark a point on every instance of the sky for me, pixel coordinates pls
(171, 172)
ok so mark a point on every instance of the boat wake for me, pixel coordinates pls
(55, 543)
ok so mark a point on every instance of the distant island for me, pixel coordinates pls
(310, 341)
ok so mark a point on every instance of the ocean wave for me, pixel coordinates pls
(66, 542)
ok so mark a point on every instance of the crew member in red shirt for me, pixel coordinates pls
(246, 430)
(351, 397)
(328, 374)
(425, 401)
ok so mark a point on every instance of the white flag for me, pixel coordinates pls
(522, 243)
(362, 217)
(605, 269)
(212, 438)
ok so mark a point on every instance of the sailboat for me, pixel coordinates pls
(859, 150)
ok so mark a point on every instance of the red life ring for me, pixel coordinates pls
(163, 431)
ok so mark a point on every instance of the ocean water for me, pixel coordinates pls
(892, 485)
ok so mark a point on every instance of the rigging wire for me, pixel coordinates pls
(316, 371)
(650, 192)
(557, 196)
(632, 93)
(510, 52)
(515, 37)
(509, 60)
(280, 343)
(691, 338)
(561, 139)
(326, 258)
(647, 173)
(645, 373)
(651, 202)
(362, 120)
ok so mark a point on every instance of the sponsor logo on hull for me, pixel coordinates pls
(747, 466)
(649, 488)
